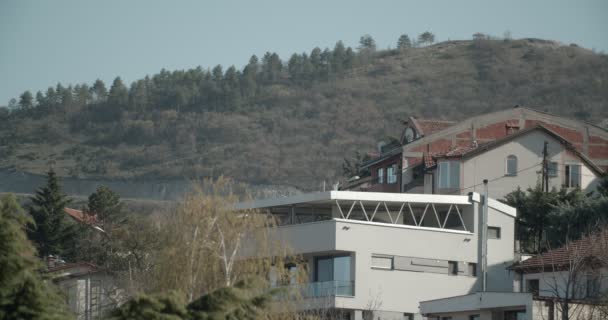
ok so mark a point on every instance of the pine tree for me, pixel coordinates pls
(99, 91)
(118, 95)
(50, 231)
(23, 293)
(26, 100)
(404, 42)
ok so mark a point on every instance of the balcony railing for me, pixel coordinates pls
(324, 289)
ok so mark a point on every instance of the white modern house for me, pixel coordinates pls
(378, 255)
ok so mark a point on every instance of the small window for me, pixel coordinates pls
(573, 175)
(391, 175)
(446, 318)
(493, 233)
(552, 169)
(453, 268)
(408, 316)
(474, 317)
(449, 174)
(532, 286)
(511, 169)
(381, 175)
(472, 269)
(382, 262)
(593, 287)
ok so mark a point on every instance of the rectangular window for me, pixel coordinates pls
(408, 316)
(593, 287)
(532, 286)
(382, 262)
(474, 317)
(446, 318)
(515, 315)
(391, 175)
(573, 175)
(449, 174)
(453, 268)
(333, 269)
(552, 169)
(472, 269)
(380, 175)
(493, 233)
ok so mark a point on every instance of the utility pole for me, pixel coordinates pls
(484, 238)
(545, 170)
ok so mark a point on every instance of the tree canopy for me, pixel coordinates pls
(23, 293)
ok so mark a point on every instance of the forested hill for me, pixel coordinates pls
(292, 121)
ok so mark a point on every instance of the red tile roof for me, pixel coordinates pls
(429, 162)
(429, 126)
(595, 245)
(81, 216)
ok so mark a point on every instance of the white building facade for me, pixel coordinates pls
(380, 254)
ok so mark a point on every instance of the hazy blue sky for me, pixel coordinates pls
(45, 42)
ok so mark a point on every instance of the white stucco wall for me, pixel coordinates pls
(528, 150)
(400, 290)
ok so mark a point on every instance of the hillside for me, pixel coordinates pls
(290, 122)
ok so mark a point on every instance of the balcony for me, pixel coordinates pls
(323, 289)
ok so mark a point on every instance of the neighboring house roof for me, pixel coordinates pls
(562, 257)
(471, 151)
(70, 270)
(389, 154)
(83, 217)
(430, 126)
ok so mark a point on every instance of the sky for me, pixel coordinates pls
(75, 41)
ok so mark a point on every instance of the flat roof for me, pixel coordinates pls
(475, 301)
(329, 198)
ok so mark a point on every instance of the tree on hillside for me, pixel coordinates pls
(404, 42)
(366, 42)
(23, 293)
(26, 100)
(99, 91)
(118, 95)
(50, 230)
(426, 38)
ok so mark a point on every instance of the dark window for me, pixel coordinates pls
(453, 268)
(391, 174)
(474, 317)
(472, 269)
(532, 286)
(408, 316)
(515, 315)
(446, 318)
(593, 287)
(573, 175)
(493, 232)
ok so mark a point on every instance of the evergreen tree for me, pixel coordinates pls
(23, 293)
(118, 95)
(366, 42)
(40, 99)
(26, 100)
(50, 231)
(106, 205)
(426, 37)
(404, 42)
(338, 58)
(99, 91)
